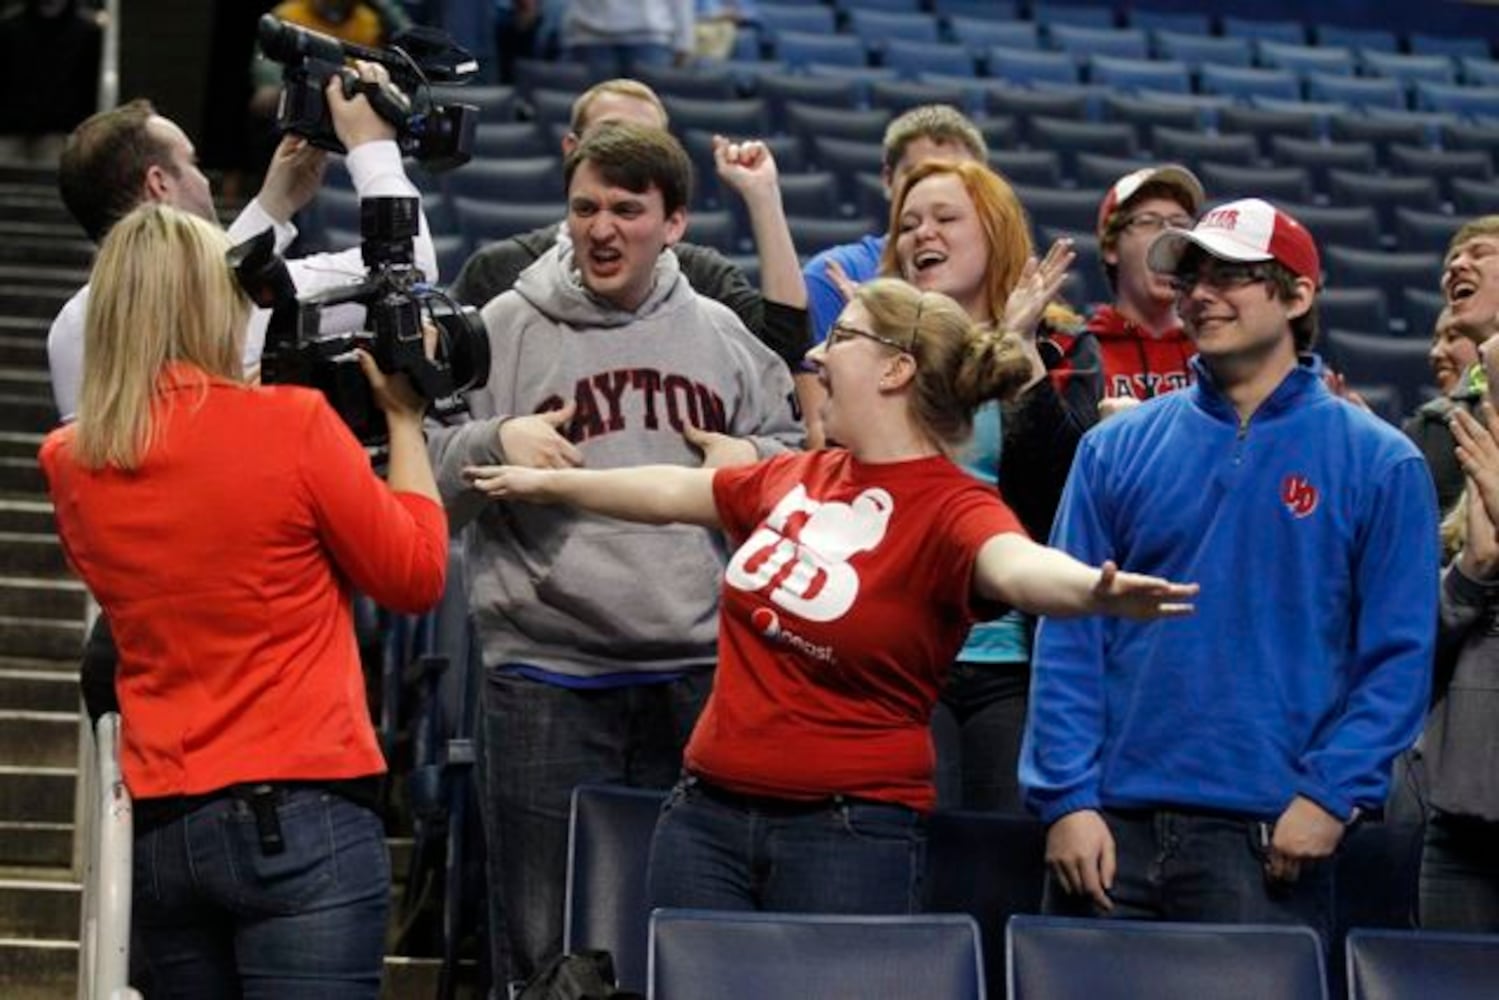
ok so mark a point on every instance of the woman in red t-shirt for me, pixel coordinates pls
(856, 574)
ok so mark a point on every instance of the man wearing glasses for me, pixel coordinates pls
(1144, 349)
(1206, 769)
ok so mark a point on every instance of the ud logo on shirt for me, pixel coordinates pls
(1299, 495)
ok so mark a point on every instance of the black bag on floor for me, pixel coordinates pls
(585, 975)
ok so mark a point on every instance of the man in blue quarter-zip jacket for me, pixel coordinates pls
(1206, 768)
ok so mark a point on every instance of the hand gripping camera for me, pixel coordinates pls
(440, 136)
(396, 300)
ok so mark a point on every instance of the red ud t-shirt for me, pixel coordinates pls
(843, 607)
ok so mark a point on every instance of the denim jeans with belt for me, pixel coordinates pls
(718, 850)
(1193, 866)
(219, 916)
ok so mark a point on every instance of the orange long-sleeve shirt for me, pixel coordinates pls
(226, 564)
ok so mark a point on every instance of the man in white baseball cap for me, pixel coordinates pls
(1206, 768)
(1143, 347)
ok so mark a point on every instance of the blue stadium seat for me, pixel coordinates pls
(1080, 15)
(1194, 148)
(745, 118)
(1432, 121)
(1025, 67)
(1068, 138)
(1096, 172)
(871, 200)
(525, 179)
(451, 252)
(1387, 965)
(1424, 232)
(1382, 133)
(1349, 225)
(484, 221)
(696, 954)
(1461, 100)
(538, 74)
(1322, 157)
(1241, 83)
(509, 140)
(1183, 22)
(1086, 283)
(999, 131)
(814, 234)
(1458, 135)
(799, 49)
(337, 208)
(1144, 114)
(1198, 51)
(1026, 105)
(1474, 197)
(702, 82)
(1383, 194)
(876, 28)
(1323, 111)
(1080, 42)
(1262, 124)
(1455, 46)
(1364, 40)
(801, 194)
(552, 107)
(1421, 311)
(1479, 72)
(911, 58)
(1053, 958)
(978, 34)
(1277, 184)
(989, 867)
(1391, 273)
(1357, 91)
(813, 19)
(979, 10)
(1243, 28)
(780, 89)
(861, 76)
(1059, 208)
(1304, 59)
(1032, 167)
(1409, 68)
(496, 104)
(1442, 165)
(1207, 106)
(847, 7)
(1380, 359)
(608, 844)
(1134, 75)
(898, 96)
(716, 228)
(808, 123)
(1359, 309)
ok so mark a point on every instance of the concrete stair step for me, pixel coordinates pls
(28, 174)
(33, 845)
(32, 969)
(28, 554)
(38, 739)
(37, 794)
(30, 266)
(56, 599)
(20, 298)
(45, 639)
(39, 690)
(46, 247)
(24, 381)
(24, 350)
(39, 908)
(20, 444)
(24, 412)
(23, 476)
(33, 516)
(26, 325)
(25, 205)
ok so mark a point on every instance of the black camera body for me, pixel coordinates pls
(396, 299)
(440, 136)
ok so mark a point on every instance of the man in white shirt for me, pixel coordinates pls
(118, 158)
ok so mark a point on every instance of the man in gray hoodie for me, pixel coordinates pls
(598, 637)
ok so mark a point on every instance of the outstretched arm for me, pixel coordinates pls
(651, 494)
(1016, 571)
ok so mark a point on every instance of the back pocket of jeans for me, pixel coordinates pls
(286, 881)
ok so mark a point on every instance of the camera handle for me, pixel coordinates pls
(388, 102)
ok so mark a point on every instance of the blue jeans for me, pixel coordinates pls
(608, 62)
(722, 851)
(976, 729)
(1189, 866)
(218, 917)
(1460, 875)
(540, 742)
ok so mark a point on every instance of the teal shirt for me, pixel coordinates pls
(1007, 639)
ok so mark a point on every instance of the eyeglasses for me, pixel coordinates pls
(1154, 222)
(1220, 277)
(840, 332)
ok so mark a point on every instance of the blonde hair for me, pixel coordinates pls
(1483, 225)
(959, 365)
(623, 87)
(937, 123)
(1002, 218)
(160, 292)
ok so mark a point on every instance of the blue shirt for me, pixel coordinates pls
(861, 261)
(1004, 640)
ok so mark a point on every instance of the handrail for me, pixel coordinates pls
(104, 947)
(109, 57)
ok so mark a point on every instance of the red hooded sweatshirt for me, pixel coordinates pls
(1136, 363)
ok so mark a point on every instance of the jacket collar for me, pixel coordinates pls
(1302, 384)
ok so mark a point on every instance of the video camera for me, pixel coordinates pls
(396, 299)
(440, 136)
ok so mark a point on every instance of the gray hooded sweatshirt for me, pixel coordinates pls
(574, 593)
